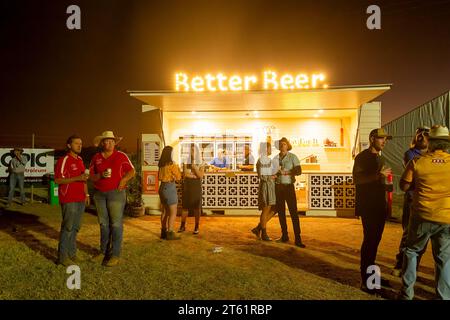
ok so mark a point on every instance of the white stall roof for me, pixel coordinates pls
(345, 97)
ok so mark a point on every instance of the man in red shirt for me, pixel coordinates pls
(110, 171)
(73, 196)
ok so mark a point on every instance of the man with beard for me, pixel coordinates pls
(419, 147)
(369, 173)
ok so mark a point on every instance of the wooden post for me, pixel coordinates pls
(32, 147)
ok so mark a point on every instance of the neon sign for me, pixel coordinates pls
(270, 81)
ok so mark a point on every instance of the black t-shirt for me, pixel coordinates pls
(370, 197)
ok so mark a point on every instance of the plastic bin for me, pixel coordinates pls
(53, 191)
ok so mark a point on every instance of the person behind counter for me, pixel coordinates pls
(249, 160)
(168, 173)
(221, 161)
(193, 173)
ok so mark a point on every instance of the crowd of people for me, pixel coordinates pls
(426, 209)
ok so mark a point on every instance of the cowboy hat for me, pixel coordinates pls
(439, 132)
(285, 140)
(106, 135)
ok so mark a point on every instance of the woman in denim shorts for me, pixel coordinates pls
(169, 172)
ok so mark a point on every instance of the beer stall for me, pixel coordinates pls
(327, 126)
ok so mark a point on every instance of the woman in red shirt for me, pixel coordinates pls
(110, 170)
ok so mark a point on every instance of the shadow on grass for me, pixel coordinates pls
(306, 260)
(20, 226)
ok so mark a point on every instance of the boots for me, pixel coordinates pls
(163, 234)
(171, 236)
(298, 242)
(284, 238)
(264, 235)
(182, 227)
(257, 230)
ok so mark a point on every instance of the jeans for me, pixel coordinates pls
(70, 225)
(15, 178)
(286, 193)
(110, 206)
(420, 231)
(373, 222)
(407, 201)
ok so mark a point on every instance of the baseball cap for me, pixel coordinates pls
(379, 133)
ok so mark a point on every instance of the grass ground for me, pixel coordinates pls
(150, 268)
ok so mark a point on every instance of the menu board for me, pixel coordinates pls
(151, 153)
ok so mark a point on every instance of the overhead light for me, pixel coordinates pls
(320, 111)
(316, 115)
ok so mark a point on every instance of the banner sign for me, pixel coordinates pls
(39, 163)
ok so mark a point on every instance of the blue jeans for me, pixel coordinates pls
(110, 206)
(15, 178)
(420, 231)
(70, 225)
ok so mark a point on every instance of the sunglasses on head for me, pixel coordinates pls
(424, 131)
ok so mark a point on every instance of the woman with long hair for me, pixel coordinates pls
(267, 171)
(193, 172)
(168, 174)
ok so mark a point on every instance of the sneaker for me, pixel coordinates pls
(99, 258)
(114, 261)
(171, 236)
(195, 231)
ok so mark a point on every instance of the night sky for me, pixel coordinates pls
(55, 81)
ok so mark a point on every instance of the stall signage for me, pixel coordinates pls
(39, 163)
(270, 80)
(150, 182)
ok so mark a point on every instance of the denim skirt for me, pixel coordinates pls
(168, 193)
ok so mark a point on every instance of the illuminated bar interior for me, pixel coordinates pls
(323, 126)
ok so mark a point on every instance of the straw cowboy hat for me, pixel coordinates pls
(439, 132)
(285, 140)
(106, 135)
